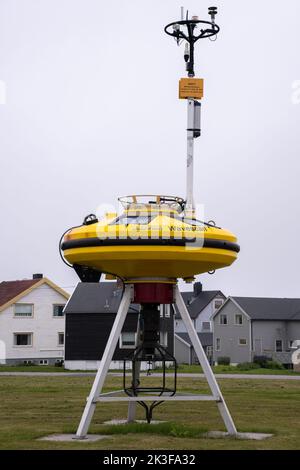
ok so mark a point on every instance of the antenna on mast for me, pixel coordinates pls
(191, 89)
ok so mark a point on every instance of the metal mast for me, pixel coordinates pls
(191, 89)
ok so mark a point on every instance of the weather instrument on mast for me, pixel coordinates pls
(190, 31)
(153, 243)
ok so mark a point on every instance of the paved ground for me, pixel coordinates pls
(117, 374)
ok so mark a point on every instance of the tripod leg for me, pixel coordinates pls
(105, 363)
(132, 404)
(228, 421)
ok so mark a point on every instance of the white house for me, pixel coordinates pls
(201, 305)
(32, 323)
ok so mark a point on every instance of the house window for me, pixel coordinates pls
(242, 342)
(164, 311)
(239, 319)
(218, 303)
(206, 326)
(163, 338)
(22, 339)
(23, 310)
(278, 345)
(223, 319)
(167, 311)
(61, 339)
(127, 340)
(43, 362)
(291, 342)
(58, 310)
(218, 344)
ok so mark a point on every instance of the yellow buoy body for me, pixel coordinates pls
(152, 241)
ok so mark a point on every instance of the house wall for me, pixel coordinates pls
(182, 351)
(204, 316)
(87, 335)
(43, 325)
(180, 327)
(267, 332)
(293, 330)
(229, 335)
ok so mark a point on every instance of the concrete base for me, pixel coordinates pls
(124, 421)
(256, 436)
(72, 438)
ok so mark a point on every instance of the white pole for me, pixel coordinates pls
(104, 365)
(228, 421)
(190, 206)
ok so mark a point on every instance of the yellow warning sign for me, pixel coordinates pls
(191, 88)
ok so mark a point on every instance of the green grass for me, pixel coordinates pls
(165, 429)
(183, 368)
(4, 368)
(196, 369)
(33, 407)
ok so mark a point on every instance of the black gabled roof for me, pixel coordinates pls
(196, 303)
(206, 339)
(95, 297)
(264, 308)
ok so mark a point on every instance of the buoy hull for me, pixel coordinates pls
(151, 261)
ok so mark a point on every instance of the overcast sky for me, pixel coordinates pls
(90, 112)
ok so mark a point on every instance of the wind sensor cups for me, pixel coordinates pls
(191, 30)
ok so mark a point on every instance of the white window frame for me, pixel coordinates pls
(126, 346)
(43, 362)
(57, 305)
(163, 338)
(164, 311)
(206, 329)
(218, 300)
(281, 345)
(291, 343)
(24, 316)
(238, 315)
(60, 333)
(243, 344)
(223, 315)
(218, 340)
(22, 345)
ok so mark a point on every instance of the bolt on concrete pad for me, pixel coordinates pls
(72, 438)
(256, 436)
(124, 421)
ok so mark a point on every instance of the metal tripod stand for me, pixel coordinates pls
(96, 396)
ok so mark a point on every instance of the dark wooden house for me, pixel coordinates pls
(90, 314)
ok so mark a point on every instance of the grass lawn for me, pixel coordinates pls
(32, 407)
(194, 369)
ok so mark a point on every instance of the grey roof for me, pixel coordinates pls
(263, 308)
(205, 338)
(95, 297)
(195, 304)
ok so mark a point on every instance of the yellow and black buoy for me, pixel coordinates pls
(153, 243)
(153, 238)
